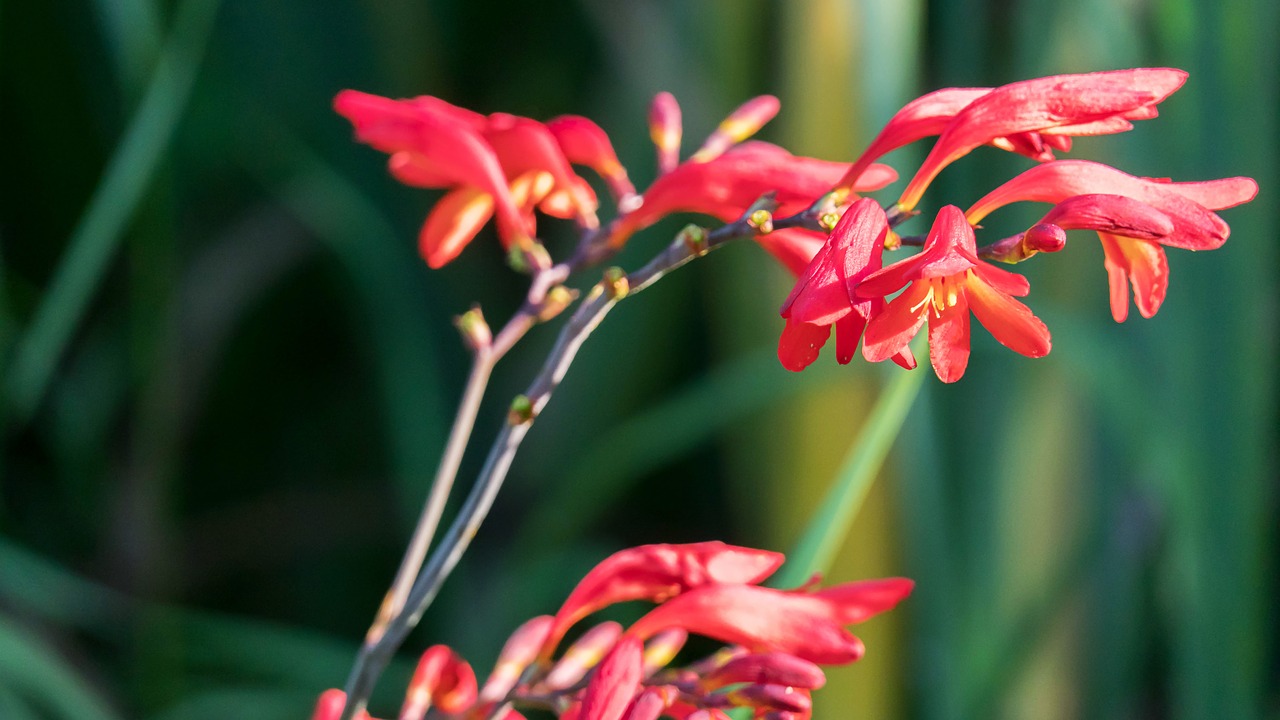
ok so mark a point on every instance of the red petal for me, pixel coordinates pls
(772, 668)
(892, 328)
(760, 619)
(848, 332)
(1011, 322)
(1114, 214)
(614, 683)
(1146, 267)
(1195, 227)
(658, 572)
(1042, 104)
(453, 222)
(856, 601)
(800, 344)
(949, 341)
(585, 143)
(1010, 283)
(1218, 194)
(442, 679)
(926, 115)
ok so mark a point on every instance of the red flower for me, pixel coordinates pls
(614, 683)
(1153, 213)
(1086, 104)
(520, 650)
(946, 279)
(727, 185)
(806, 625)
(442, 679)
(823, 296)
(930, 114)
(500, 163)
(656, 573)
(665, 129)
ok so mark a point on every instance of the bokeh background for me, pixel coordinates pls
(227, 377)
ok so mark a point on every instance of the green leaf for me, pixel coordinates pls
(830, 524)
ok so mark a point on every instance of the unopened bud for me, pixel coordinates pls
(558, 298)
(665, 130)
(518, 652)
(761, 220)
(694, 237)
(529, 257)
(521, 411)
(615, 283)
(583, 655)
(475, 331)
(662, 649)
(1045, 237)
(650, 704)
(773, 668)
(740, 125)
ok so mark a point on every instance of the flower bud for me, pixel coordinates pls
(761, 221)
(771, 697)
(475, 331)
(774, 668)
(615, 283)
(441, 679)
(558, 298)
(694, 238)
(521, 411)
(740, 125)
(662, 649)
(665, 130)
(518, 652)
(582, 656)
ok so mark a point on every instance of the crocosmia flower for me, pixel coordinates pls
(658, 572)
(823, 296)
(727, 185)
(437, 145)
(945, 281)
(498, 164)
(1133, 216)
(1086, 104)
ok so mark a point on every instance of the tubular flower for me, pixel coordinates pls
(1085, 104)
(946, 280)
(727, 185)
(823, 296)
(1133, 216)
(656, 573)
(438, 145)
(806, 625)
(930, 114)
(442, 679)
(499, 164)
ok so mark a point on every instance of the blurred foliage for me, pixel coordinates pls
(227, 377)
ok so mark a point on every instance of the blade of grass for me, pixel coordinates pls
(830, 524)
(29, 665)
(97, 236)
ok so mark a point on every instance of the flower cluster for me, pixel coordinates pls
(776, 641)
(845, 285)
(506, 166)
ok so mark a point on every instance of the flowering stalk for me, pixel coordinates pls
(395, 624)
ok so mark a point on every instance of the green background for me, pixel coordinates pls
(227, 377)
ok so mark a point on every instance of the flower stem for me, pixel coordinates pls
(376, 652)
